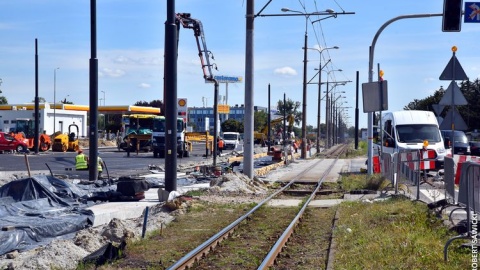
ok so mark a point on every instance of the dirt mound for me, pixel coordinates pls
(84, 143)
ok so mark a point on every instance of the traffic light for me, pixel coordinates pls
(452, 15)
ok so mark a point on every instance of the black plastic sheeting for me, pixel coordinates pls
(36, 210)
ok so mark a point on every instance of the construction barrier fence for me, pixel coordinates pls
(468, 200)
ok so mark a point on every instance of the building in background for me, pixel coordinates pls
(200, 117)
(64, 115)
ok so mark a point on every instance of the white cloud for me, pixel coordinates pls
(288, 71)
(429, 79)
(138, 59)
(144, 85)
(113, 73)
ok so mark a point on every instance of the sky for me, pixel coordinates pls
(130, 47)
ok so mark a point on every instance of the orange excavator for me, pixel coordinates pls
(25, 131)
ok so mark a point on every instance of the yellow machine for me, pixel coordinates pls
(136, 132)
(64, 142)
(261, 137)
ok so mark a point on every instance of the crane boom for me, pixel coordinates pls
(188, 22)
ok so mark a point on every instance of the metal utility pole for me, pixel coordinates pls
(248, 142)
(269, 140)
(304, 102)
(356, 112)
(215, 124)
(54, 96)
(284, 139)
(37, 105)
(93, 136)
(319, 107)
(170, 93)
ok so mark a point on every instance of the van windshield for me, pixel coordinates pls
(230, 136)
(459, 136)
(418, 133)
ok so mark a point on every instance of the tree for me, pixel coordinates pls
(260, 120)
(470, 113)
(290, 108)
(40, 100)
(154, 103)
(3, 100)
(65, 101)
(232, 125)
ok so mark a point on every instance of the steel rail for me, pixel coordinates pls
(283, 239)
(199, 252)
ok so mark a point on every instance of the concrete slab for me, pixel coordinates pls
(340, 167)
(284, 203)
(356, 197)
(325, 203)
(313, 174)
(295, 203)
(357, 164)
(123, 210)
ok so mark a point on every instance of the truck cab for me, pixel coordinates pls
(159, 140)
(231, 139)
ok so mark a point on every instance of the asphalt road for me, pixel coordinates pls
(118, 162)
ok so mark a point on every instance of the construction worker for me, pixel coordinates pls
(81, 161)
(220, 144)
(100, 166)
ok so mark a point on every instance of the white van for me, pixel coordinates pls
(231, 139)
(407, 130)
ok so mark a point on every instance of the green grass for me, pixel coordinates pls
(394, 234)
(198, 192)
(352, 152)
(349, 182)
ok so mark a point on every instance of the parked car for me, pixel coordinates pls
(474, 148)
(460, 141)
(9, 143)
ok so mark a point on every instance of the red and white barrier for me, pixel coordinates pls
(426, 159)
(458, 160)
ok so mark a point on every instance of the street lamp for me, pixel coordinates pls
(320, 90)
(54, 96)
(304, 103)
(332, 111)
(327, 109)
(339, 123)
(103, 97)
(336, 106)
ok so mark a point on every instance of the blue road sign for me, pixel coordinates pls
(472, 12)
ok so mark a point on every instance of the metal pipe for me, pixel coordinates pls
(145, 221)
(370, 79)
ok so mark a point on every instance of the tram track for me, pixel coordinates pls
(264, 233)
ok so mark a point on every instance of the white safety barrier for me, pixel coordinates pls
(468, 199)
(407, 165)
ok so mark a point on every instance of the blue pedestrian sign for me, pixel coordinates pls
(472, 12)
